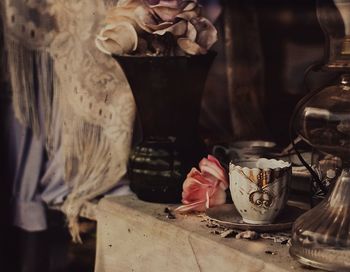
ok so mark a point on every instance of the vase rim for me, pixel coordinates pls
(210, 53)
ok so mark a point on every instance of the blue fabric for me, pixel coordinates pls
(37, 182)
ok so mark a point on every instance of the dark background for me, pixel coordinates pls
(274, 42)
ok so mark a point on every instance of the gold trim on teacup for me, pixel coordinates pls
(263, 177)
(262, 198)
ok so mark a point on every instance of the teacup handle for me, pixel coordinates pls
(220, 149)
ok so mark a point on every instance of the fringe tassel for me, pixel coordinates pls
(72, 210)
(25, 100)
(90, 169)
(88, 155)
(45, 82)
(32, 76)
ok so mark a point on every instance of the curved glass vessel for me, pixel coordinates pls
(321, 237)
(334, 18)
(324, 121)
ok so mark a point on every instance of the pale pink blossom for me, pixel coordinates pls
(205, 188)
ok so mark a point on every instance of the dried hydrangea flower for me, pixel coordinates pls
(155, 21)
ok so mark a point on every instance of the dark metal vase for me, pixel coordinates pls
(167, 92)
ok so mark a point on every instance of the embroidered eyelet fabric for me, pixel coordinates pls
(50, 49)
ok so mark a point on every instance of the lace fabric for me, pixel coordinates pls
(50, 46)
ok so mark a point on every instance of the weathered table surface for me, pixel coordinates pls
(133, 235)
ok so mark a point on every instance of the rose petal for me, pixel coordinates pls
(167, 3)
(188, 15)
(190, 47)
(177, 29)
(190, 6)
(207, 33)
(197, 206)
(198, 177)
(156, 27)
(206, 188)
(194, 171)
(143, 18)
(195, 188)
(194, 195)
(212, 167)
(218, 198)
(107, 46)
(207, 204)
(165, 13)
(191, 32)
(119, 38)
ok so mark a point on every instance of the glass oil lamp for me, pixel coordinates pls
(321, 236)
(334, 18)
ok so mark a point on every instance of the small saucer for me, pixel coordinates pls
(227, 216)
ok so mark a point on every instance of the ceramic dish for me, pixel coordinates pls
(228, 216)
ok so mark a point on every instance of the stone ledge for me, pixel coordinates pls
(133, 235)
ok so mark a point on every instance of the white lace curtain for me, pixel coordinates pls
(50, 46)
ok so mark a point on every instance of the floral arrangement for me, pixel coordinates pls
(204, 188)
(157, 28)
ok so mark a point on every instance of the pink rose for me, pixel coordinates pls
(205, 188)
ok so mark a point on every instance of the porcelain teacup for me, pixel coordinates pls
(259, 188)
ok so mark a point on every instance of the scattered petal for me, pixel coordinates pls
(228, 233)
(248, 234)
